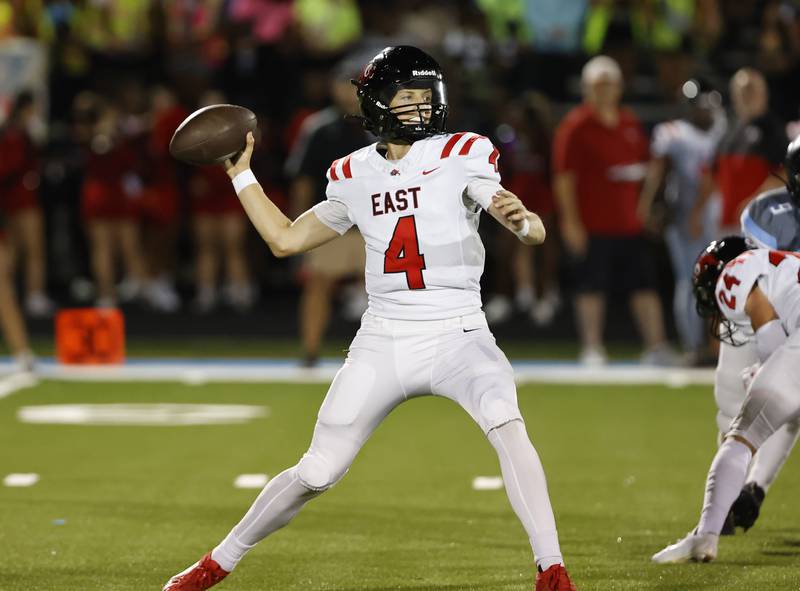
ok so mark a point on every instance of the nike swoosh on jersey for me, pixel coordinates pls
(424, 172)
(470, 329)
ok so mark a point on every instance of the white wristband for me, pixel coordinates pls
(523, 232)
(244, 179)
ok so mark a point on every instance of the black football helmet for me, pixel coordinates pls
(792, 165)
(707, 270)
(392, 69)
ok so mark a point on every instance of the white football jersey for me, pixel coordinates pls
(424, 255)
(777, 274)
(690, 149)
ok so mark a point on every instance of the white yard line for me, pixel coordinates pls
(20, 479)
(251, 481)
(487, 483)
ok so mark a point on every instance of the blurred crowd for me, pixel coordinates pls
(91, 91)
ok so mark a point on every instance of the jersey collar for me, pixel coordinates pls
(409, 162)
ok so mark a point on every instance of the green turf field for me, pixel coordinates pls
(124, 508)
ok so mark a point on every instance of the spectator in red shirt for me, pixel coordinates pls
(111, 188)
(220, 228)
(19, 199)
(160, 201)
(748, 155)
(599, 160)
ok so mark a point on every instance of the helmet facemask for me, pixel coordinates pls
(388, 122)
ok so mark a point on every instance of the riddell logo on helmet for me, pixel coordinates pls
(423, 72)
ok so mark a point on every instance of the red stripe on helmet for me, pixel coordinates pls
(451, 143)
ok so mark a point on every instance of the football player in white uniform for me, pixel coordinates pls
(771, 220)
(416, 197)
(680, 149)
(758, 290)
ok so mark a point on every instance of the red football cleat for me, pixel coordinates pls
(554, 578)
(200, 576)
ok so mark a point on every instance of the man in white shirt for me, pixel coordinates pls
(416, 198)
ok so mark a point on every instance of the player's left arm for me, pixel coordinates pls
(507, 209)
(483, 187)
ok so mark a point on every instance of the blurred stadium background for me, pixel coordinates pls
(111, 80)
(103, 84)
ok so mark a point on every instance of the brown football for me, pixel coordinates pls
(212, 134)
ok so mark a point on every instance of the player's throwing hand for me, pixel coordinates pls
(241, 161)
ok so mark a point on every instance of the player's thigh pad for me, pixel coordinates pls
(774, 396)
(472, 370)
(729, 391)
(366, 387)
(363, 392)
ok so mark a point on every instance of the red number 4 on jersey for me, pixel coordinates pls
(403, 254)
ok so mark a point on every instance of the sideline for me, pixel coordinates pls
(202, 371)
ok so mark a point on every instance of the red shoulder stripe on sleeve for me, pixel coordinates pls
(468, 145)
(332, 171)
(451, 143)
(493, 159)
(346, 168)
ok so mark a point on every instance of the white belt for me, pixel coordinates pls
(469, 321)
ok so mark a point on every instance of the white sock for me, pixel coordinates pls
(526, 487)
(281, 499)
(772, 455)
(229, 552)
(725, 479)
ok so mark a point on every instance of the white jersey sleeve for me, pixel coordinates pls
(334, 212)
(480, 167)
(737, 281)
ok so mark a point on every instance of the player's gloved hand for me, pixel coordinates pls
(240, 162)
(748, 375)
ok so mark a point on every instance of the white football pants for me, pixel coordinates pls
(390, 361)
(773, 400)
(730, 395)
